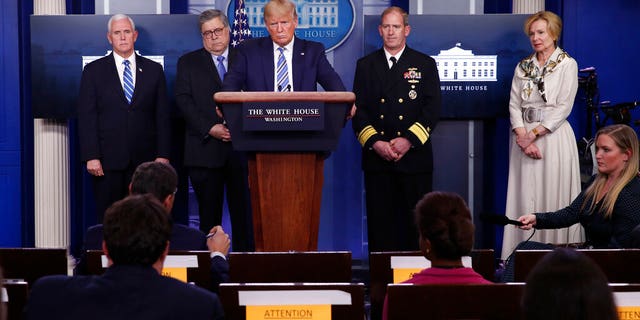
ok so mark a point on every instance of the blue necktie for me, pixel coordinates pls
(127, 79)
(282, 73)
(220, 66)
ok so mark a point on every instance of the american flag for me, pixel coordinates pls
(240, 30)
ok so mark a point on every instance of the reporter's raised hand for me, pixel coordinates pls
(218, 240)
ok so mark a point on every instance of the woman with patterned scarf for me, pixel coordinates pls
(544, 173)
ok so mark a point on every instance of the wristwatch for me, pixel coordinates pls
(535, 132)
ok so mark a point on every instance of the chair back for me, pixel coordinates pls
(192, 266)
(344, 301)
(454, 301)
(619, 265)
(29, 264)
(295, 266)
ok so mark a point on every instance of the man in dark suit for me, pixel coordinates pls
(160, 180)
(136, 242)
(123, 115)
(303, 64)
(211, 161)
(398, 104)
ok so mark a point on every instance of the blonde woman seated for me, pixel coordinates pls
(609, 209)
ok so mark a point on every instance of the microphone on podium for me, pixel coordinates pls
(499, 219)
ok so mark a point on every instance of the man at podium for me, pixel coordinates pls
(281, 62)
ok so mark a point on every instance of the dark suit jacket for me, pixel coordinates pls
(115, 132)
(122, 292)
(182, 238)
(196, 81)
(252, 68)
(402, 102)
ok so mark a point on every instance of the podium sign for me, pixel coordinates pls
(274, 116)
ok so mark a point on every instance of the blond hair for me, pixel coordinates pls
(404, 14)
(627, 140)
(554, 24)
(280, 8)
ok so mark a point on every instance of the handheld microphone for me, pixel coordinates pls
(626, 105)
(587, 69)
(606, 105)
(499, 219)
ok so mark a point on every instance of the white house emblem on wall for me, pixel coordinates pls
(457, 64)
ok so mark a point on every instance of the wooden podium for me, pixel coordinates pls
(287, 136)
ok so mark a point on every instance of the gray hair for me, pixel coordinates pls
(211, 14)
(120, 16)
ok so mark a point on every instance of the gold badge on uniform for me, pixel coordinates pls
(413, 94)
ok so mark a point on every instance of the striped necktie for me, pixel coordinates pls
(127, 80)
(282, 73)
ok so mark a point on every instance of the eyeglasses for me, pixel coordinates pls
(210, 33)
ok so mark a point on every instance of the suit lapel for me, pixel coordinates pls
(114, 78)
(394, 75)
(297, 60)
(139, 78)
(267, 63)
(211, 68)
(381, 66)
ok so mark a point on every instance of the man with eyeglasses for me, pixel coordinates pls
(161, 180)
(398, 105)
(282, 61)
(212, 163)
(123, 114)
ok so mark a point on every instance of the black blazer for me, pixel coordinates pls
(111, 130)
(404, 101)
(122, 292)
(197, 80)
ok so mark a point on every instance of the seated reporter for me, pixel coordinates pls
(445, 236)
(137, 230)
(161, 180)
(567, 285)
(609, 208)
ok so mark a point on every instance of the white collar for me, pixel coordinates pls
(288, 47)
(397, 55)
